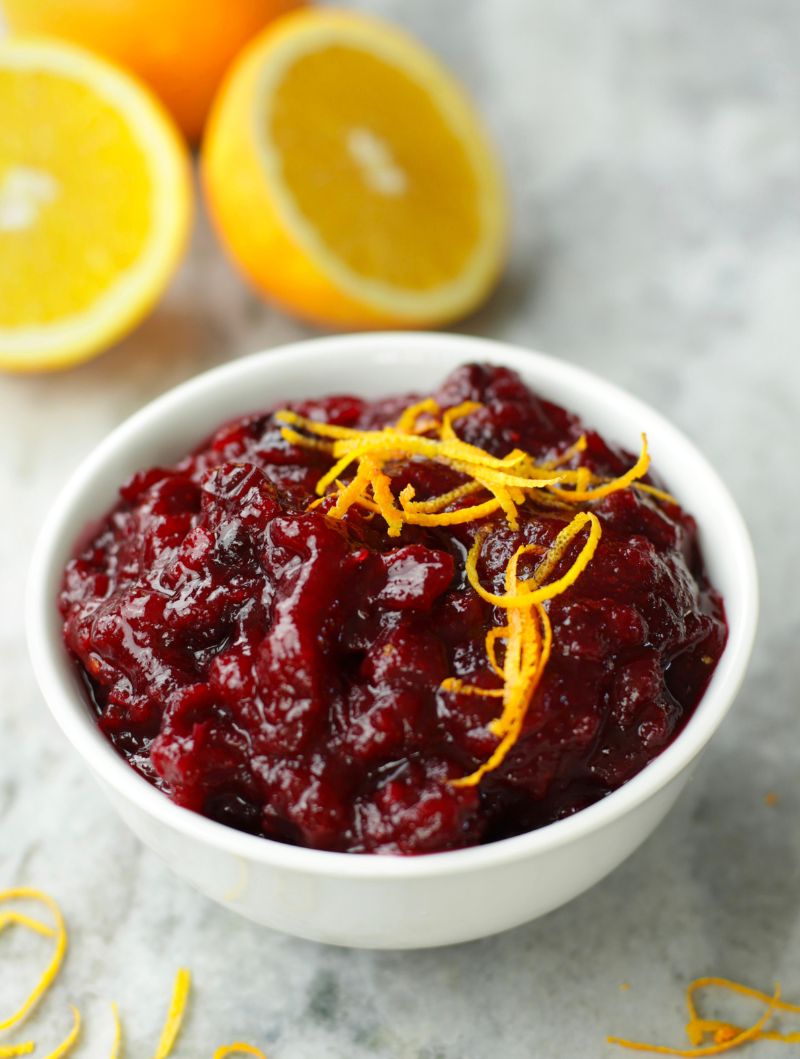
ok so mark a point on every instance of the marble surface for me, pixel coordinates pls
(654, 160)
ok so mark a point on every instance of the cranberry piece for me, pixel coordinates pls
(418, 811)
(385, 724)
(597, 628)
(638, 684)
(415, 577)
(311, 800)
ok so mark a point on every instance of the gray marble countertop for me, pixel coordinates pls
(653, 154)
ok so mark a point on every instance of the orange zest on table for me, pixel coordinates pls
(177, 1007)
(724, 1036)
(59, 932)
(238, 1048)
(491, 484)
(175, 1013)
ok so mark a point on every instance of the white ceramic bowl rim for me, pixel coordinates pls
(72, 714)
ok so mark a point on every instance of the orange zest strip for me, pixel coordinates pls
(541, 592)
(725, 1035)
(177, 1007)
(238, 1048)
(70, 1040)
(581, 492)
(568, 454)
(116, 1046)
(466, 514)
(659, 494)
(7, 919)
(452, 414)
(556, 552)
(408, 423)
(384, 498)
(23, 893)
(9, 1051)
(452, 518)
(492, 636)
(455, 684)
(528, 635)
(435, 503)
(349, 494)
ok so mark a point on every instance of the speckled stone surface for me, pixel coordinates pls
(654, 160)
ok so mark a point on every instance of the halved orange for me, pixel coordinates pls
(95, 203)
(350, 178)
(180, 48)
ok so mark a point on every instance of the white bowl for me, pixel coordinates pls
(378, 901)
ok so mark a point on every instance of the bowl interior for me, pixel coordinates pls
(376, 365)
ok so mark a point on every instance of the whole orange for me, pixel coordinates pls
(181, 48)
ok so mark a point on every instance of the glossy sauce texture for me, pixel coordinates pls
(279, 671)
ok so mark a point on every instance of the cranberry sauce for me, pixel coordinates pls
(280, 670)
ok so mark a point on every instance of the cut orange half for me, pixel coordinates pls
(95, 204)
(180, 48)
(350, 178)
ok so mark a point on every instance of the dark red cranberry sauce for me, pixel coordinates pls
(279, 670)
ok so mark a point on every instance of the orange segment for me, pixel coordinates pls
(350, 178)
(94, 204)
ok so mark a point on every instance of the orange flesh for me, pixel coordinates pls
(67, 231)
(357, 164)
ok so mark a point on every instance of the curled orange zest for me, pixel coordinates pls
(528, 634)
(423, 431)
(724, 1035)
(59, 932)
(506, 479)
(583, 491)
